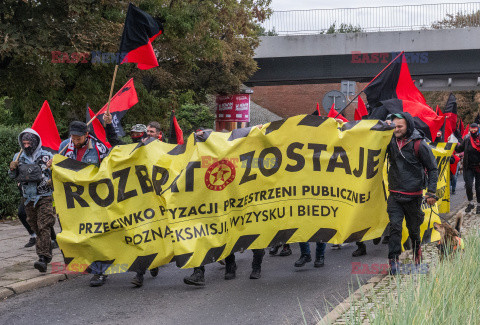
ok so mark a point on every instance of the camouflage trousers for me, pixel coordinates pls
(42, 218)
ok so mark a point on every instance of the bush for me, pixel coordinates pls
(191, 117)
(9, 195)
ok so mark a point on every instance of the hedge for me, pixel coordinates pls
(9, 194)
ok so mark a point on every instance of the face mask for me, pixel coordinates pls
(29, 151)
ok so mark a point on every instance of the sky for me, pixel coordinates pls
(324, 4)
(395, 15)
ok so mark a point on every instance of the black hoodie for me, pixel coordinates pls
(406, 172)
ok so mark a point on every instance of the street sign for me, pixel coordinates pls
(334, 97)
(348, 88)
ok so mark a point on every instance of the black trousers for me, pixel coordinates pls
(256, 262)
(397, 209)
(469, 175)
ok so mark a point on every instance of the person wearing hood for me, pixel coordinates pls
(30, 167)
(411, 166)
(470, 146)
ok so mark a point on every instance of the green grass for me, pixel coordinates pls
(449, 294)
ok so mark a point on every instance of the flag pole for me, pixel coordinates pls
(109, 97)
(361, 91)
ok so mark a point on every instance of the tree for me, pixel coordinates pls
(207, 47)
(458, 20)
(344, 28)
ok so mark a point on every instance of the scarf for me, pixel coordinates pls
(101, 149)
(475, 142)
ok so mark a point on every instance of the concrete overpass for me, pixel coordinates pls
(447, 59)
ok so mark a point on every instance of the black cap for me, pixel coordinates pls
(474, 125)
(78, 128)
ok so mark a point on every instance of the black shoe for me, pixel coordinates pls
(361, 250)
(137, 280)
(31, 242)
(286, 251)
(302, 260)
(54, 244)
(230, 271)
(256, 274)
(385, 240)
(41, 264)
(197, 278)
(478, 209)
(469, 208)
(453, 193)
(154, 272)
(273, 250)
(319, 261)
(98, 280)
(376, 241)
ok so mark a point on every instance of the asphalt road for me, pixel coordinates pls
(277, 298)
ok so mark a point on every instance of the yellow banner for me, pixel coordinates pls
(306, 178)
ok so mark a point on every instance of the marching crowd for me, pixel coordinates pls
(412, 167)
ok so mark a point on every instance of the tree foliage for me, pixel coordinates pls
(343, 28)
(458, 20)
(207, 47)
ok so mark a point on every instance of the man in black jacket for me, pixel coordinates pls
(471, 165)
(411, 163)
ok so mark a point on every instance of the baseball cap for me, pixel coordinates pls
(78, 128)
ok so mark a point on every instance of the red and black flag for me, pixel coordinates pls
(361, 110)
(459, 130)
(450, 113)
(394, 82)
(176, 134)
(125, 98)
(334, 114)
(47, 129)
(96, 128)
(425, 118)
(138, 34)
(465, 131)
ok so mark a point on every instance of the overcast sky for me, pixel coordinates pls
(324, 4)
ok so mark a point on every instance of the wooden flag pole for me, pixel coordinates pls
(109, 97)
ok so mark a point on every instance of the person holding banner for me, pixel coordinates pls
(30, 167)
(470, 146)
(137, 134)
(411, 162)
(83, 147)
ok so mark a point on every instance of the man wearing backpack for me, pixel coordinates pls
(30, 167)
(411, 166)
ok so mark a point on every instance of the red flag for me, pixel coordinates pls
(333, 113)
(361, 109)
(47, 129)
(139, 31)
(450, 113)
(98, 130)
(394, 82)
(176, 133)
(465, 131)
(318, 109)
(125, 98)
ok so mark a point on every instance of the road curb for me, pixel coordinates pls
(5, 293)
(31, 284)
